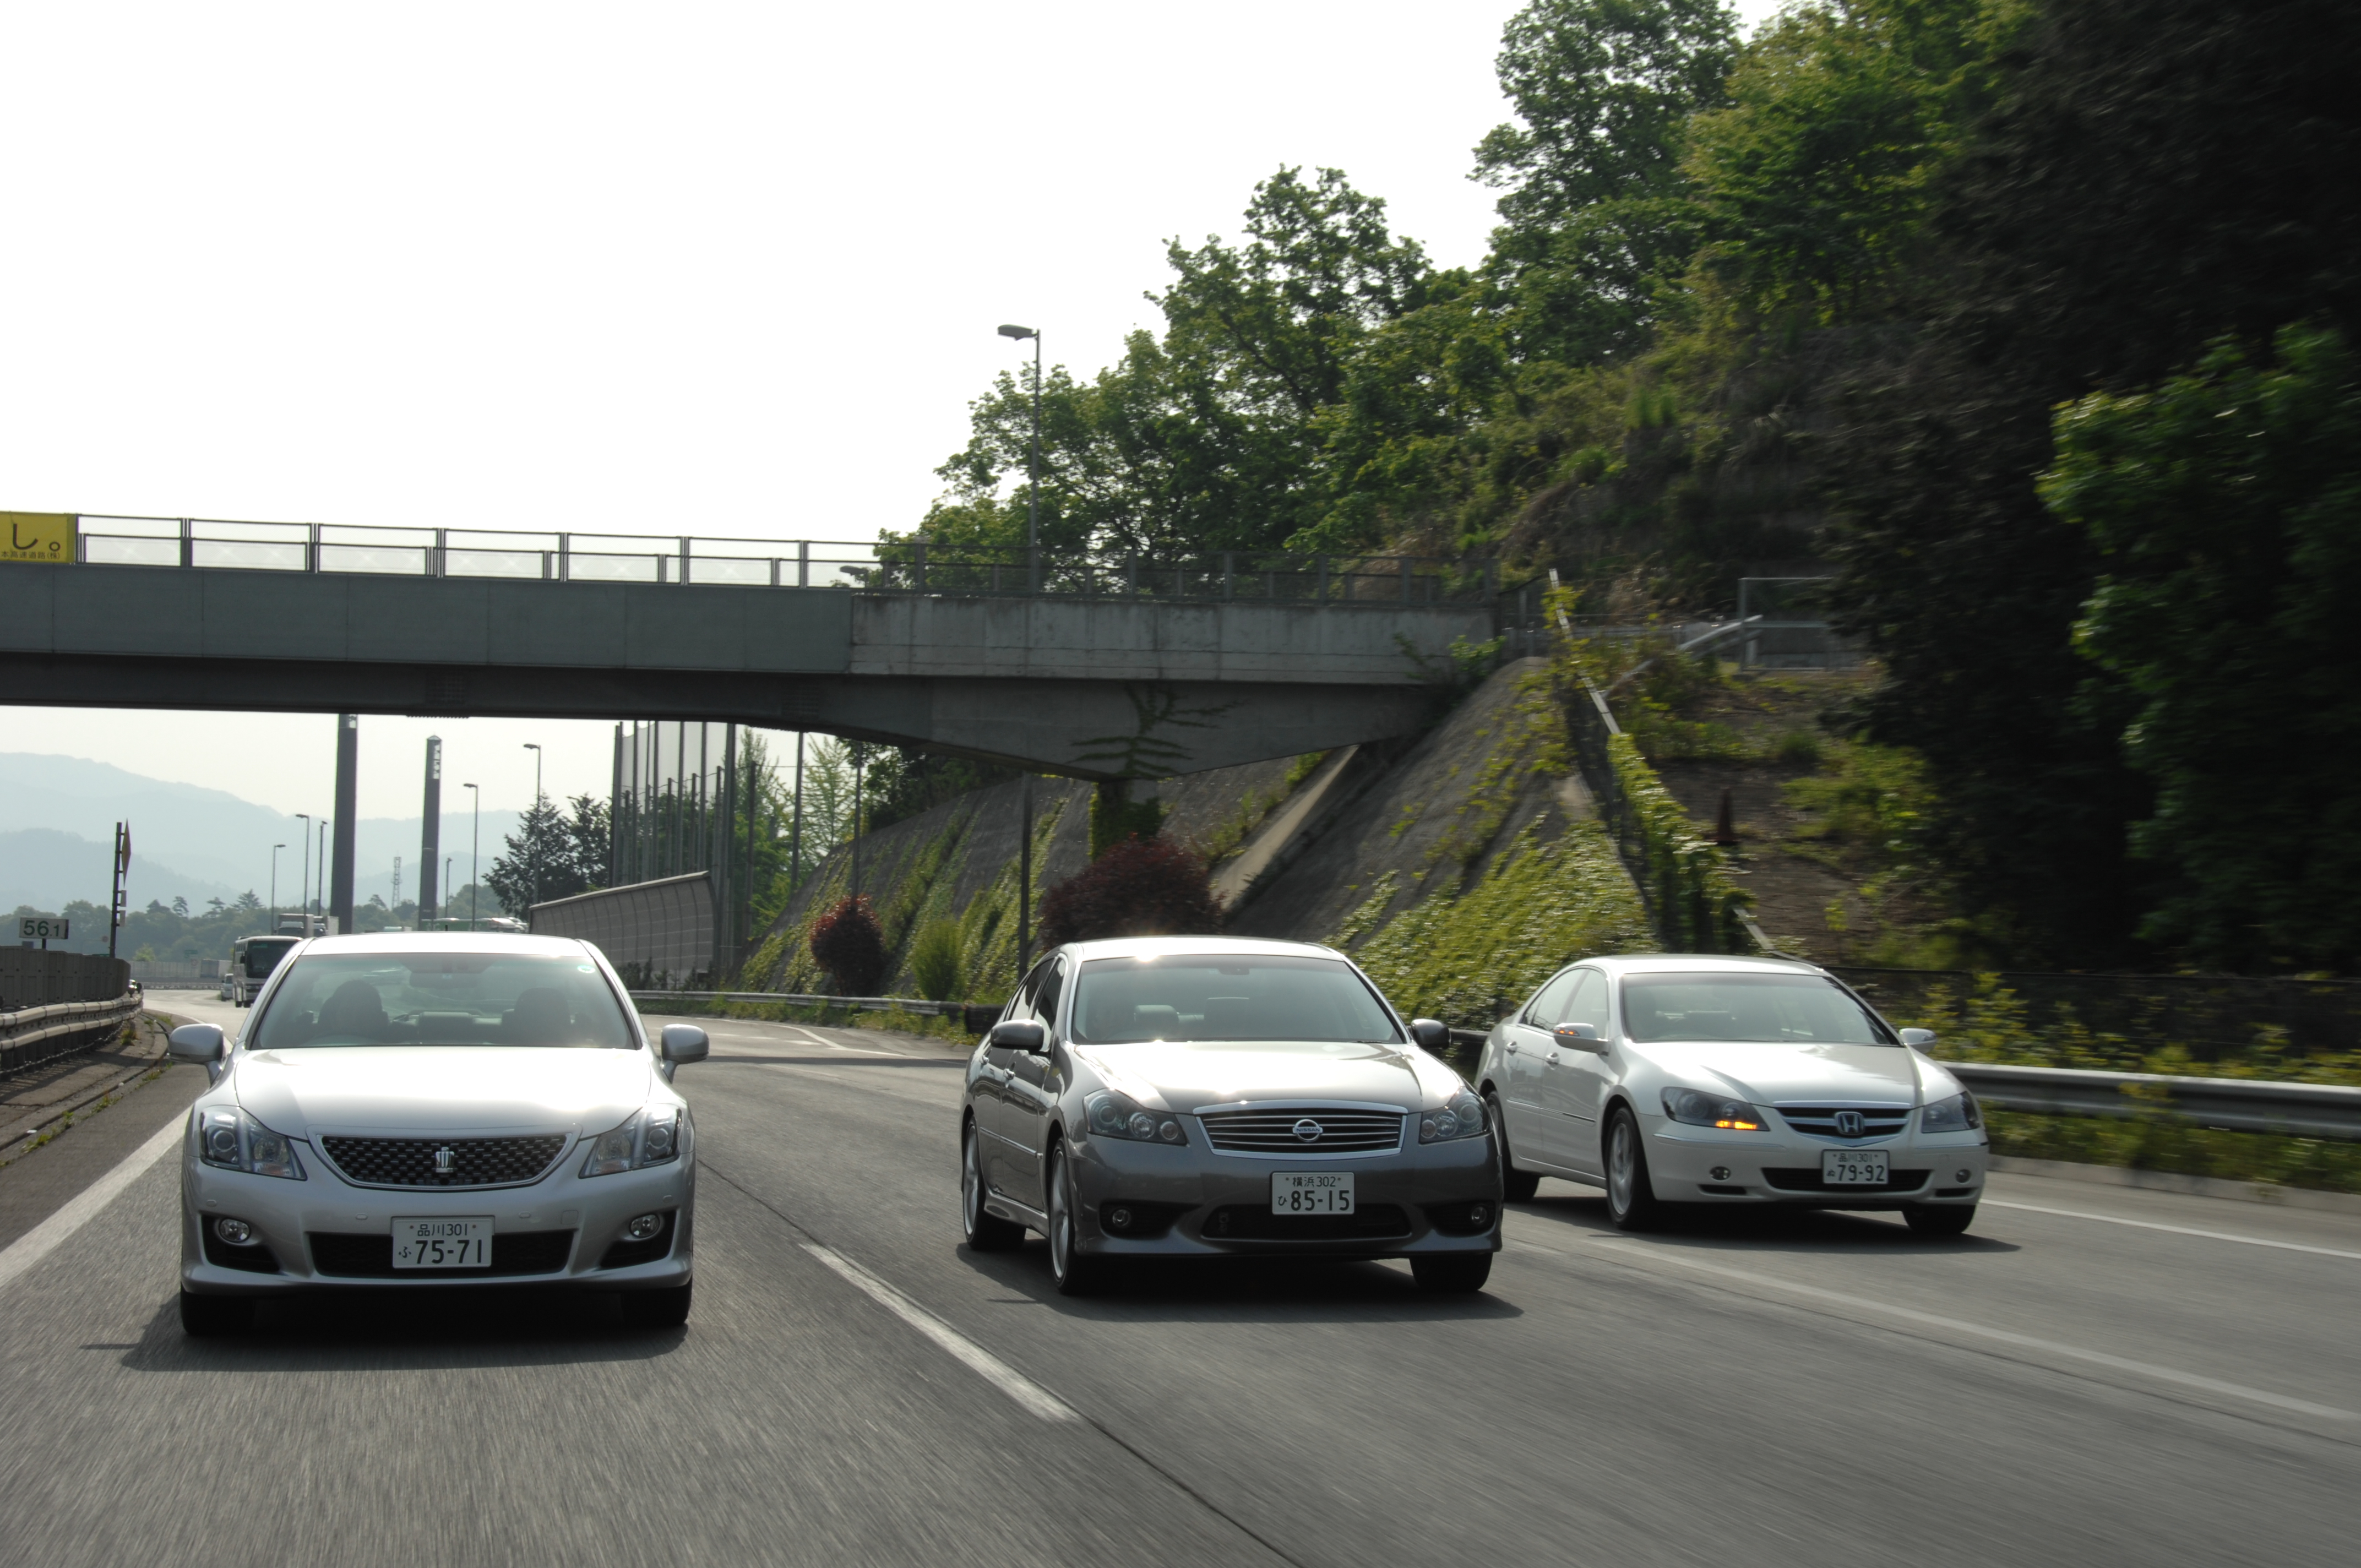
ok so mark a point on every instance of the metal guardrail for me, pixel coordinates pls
(2235, 1104)
(968, 1013)
(31, 1036)
(913, 566)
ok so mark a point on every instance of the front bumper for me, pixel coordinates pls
(1192, 1202)
(1702, 1164)
(324, 1232)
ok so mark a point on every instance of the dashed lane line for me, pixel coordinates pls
(1028, 1393)
(84, 1206)
(2176, 1230)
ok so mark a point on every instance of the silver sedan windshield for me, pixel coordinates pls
(1772, 1009)
(443, 999)
(1227, 997)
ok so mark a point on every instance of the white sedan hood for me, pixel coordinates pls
(1785, 1074)
(425, 1091)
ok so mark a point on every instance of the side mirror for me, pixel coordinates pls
(201, 1043)
(685, 1043)
(1919, 1040)
(1015, 1034)
(1430, 1033)
(1581, 1037)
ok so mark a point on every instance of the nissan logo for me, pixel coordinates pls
(1308, 1130)
(1849, 1123)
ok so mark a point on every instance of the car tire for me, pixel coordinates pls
(665, 1308)
(1630, 1199)
(1516, 1186)
(1452, 1274)
(205, 1317)
(985, 1230)
(1074, 1272)
(1940, 1219)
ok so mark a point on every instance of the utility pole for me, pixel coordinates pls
(1032, 465)
(796, 843)
(319, 889)
(303, 888)
(475, 855)
(857, 757)
(274, 886)
(1024, 883)
(390, 908)
(122, 870)
(431, 834)
(532, 838)
(347, 818)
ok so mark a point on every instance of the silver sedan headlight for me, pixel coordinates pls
(1698, 1109)
(1114, 1115)
(1957, 1114)
(230, 1139)
(653, 1136)
(1461, 1116)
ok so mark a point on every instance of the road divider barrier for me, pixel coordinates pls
(30, 1036)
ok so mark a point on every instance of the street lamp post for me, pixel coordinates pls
(274, 886)
(533, 835)
(1033, 463)
(319, 888)
(303, 888)
(475, 854)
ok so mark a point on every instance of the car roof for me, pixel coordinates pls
(449, 941)
(1700, 963)
(1179, 947)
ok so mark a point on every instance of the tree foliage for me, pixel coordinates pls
(553, 854)
(1141, 887)
(849, 947)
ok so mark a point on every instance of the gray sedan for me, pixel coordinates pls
(1210, 1097)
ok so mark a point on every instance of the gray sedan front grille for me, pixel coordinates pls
(1310, 1129)
(1876, 1121)
(444, 1162)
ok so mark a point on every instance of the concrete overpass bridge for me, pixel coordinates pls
(1092, 667)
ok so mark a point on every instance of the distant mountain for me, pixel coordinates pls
(186, 841)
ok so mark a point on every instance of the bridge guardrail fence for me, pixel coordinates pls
(34, 1037)
(913, 567)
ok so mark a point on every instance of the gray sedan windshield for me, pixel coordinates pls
(1773, 1009)
(443, 999)
(1227, 997)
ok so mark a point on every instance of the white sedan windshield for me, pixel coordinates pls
(443, 999)
(1221, 997)
(1773, 1009)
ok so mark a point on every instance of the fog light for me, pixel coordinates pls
(641, 1227)
(237, 1233)
(1118, 1219)
(1964, 1175)
(1479, 1216)
(1722, 1173)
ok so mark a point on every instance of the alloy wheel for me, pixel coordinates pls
(1618, 1167)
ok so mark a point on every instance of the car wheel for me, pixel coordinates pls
(1076, 1274)
(1452, 1274)
(207, 1316)
(1516, 1186)
(666, 1309)
(1940, 1219)
(987, 1232)
(1631, 1200)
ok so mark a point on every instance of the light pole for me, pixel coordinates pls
(303, 888)
(319, 890)
(532, 836)
(1033, 464)
(475, 854)
(274, 887)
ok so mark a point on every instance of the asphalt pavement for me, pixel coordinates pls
(2092, 1376)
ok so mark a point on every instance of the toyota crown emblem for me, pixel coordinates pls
(1849, 1123)
(444, 1160)
(1308, 1130)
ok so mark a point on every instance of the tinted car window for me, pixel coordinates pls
(1226, 997)
(1778, 1009)
(1589, 1002)
(443, 999)
(1045, 1004)
(1549, 1002)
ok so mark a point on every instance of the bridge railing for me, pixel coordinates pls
(913, 567)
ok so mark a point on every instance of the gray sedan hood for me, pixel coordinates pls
(429, 1090)
(1184, 1076)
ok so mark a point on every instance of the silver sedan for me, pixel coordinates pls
(418, 1110)
(1205, 1097)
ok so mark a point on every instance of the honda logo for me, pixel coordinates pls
(1851, 1123)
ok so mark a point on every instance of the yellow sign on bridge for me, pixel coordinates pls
(36, 536)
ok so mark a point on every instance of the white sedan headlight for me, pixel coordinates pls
(1699, 1109)
(1957, 1114)
(229, 1138)
(653, 1136)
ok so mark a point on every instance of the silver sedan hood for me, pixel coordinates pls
(442, 1089)
(1774, 1074)
(1182, 1076)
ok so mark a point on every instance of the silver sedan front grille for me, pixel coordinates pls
(1306, 1129)
(1848, 1121)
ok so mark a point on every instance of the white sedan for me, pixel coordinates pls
(1695, 1081)
(415, 1109)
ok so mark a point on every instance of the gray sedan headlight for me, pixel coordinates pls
(1114, 1115)
(1699, 1109)
(654, 1137)
(1957, 1114)
(232, 1140)
(1462, 1116)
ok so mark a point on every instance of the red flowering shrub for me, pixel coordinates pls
(846, 943)
(1141, 887)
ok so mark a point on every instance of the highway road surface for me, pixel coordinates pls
(2094, 1375)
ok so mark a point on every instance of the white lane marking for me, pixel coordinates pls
(990, 1367)
(2003, 1336)
(83, 1207)
(2176, 1230)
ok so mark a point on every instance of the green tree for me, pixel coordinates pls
(553, 854)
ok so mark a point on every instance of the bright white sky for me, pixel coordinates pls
(707, 268)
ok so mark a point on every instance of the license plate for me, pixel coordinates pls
(1852, 1167)
(464, 1242)
(1312, 1192)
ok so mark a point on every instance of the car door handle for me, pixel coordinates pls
(1511, 1047)
(1553, 1058)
